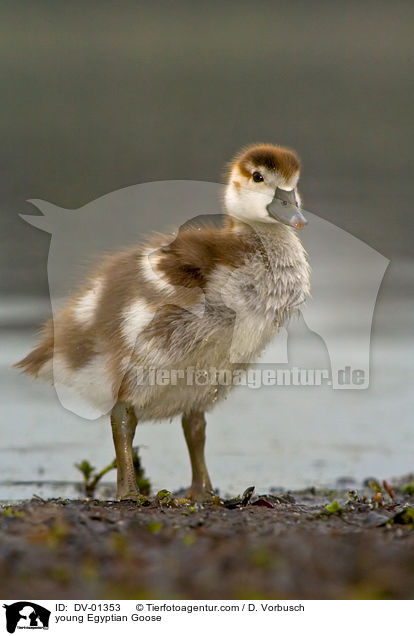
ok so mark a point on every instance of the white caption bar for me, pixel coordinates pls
(155, 617)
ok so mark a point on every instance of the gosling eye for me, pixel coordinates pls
(257, 177)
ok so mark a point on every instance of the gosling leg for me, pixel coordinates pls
(124, 422)
(194, 427)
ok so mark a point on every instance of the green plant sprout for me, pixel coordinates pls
(91, 478)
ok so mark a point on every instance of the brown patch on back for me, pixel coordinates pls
(275, 158)
(189, 260)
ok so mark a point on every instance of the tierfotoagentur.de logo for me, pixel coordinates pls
(26, 615)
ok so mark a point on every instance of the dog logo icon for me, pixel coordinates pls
(26, 615)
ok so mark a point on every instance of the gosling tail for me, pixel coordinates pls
(34, 362)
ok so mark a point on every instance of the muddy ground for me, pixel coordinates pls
(307, 545)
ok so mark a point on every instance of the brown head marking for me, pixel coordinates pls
(275, 158)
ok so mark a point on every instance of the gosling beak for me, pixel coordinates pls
(284, 208)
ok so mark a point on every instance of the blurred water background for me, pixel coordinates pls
(97, 96)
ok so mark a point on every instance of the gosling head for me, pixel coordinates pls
(262, 186)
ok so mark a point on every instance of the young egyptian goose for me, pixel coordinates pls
(149, 333)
